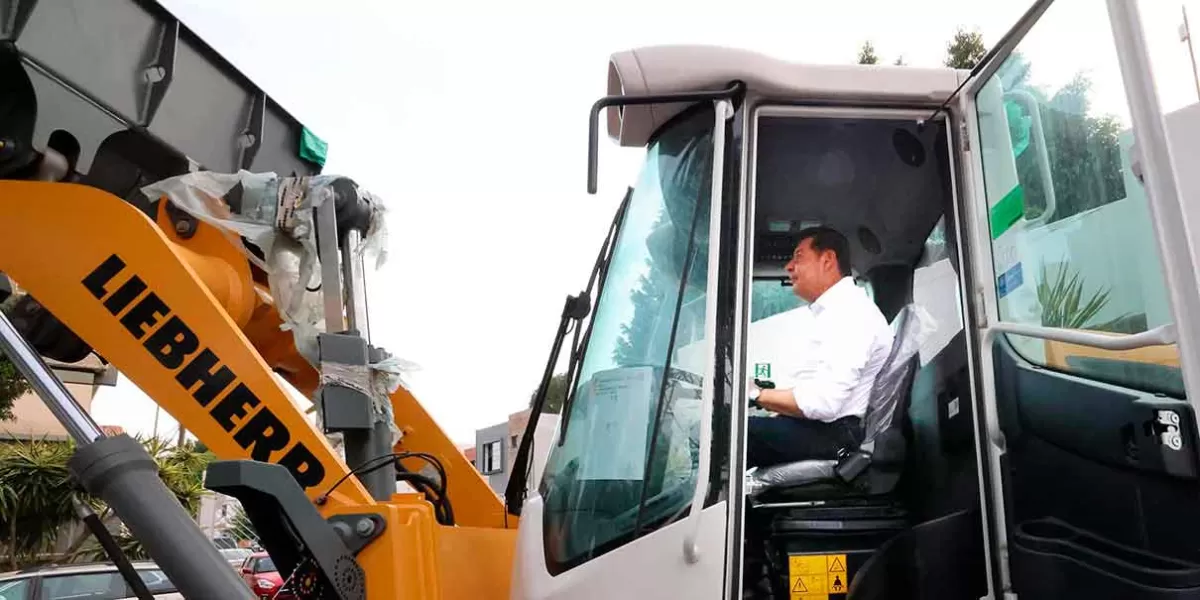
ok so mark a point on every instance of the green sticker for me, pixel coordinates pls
(1007, 211)
(313, 148)
(762, 370)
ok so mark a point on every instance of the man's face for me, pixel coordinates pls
(809, 271)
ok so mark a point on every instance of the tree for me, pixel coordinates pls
(866, 54)
(37, 494)
(1084, 149)
(12, 386)
(965, 49)
(647, 300)
(12, 383)
(556, 394)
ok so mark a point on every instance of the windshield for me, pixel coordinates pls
(628, 457)
(770, 297)
(265, 565)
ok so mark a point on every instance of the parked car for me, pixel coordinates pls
(235, 556)
(259, 572)
(96, 581)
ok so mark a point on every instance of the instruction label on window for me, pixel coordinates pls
(817, 576)
(616, 407)
(1010, 280)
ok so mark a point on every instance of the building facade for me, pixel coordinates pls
(32, 420)
(496, 448)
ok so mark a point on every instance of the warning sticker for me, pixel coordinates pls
(836, 575)
(816, 576)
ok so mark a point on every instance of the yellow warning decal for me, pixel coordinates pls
(816, 576)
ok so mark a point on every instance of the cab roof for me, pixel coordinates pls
(681, 68)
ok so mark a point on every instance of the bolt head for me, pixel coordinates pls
(365, 527)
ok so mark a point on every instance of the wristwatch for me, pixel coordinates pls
(754, 392)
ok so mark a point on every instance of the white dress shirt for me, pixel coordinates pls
(838, 354)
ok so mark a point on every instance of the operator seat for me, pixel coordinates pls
(874, 468)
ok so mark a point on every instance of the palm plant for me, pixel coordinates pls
(35, 497)
(1062, 300)
(36, 493)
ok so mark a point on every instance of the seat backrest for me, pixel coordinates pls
(891, 388)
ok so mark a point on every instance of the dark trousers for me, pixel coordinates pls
(783, 439)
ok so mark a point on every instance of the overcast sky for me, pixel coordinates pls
(470, 121)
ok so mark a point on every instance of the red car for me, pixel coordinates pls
(259, 572)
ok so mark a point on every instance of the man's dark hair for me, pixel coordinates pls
(827, 238)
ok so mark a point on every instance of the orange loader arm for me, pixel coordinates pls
(191, 323)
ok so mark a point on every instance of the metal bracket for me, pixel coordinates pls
(183, 222)
(358, 530)
(159, 72)
(251, 137)
(291, 529)
(1171, 436)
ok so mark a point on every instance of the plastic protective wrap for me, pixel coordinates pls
(793, 473)
(275, 214)
(914, 325)
(377, 381)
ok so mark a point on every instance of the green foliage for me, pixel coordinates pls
(36, 493)
(12, 383)
(965, 49)
(12, 386)
(1062, 301)
(556, 394)
(182, 469)
(35, 497)
(129, 545)
(866, 54)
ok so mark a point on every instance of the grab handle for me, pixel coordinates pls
(691, 550)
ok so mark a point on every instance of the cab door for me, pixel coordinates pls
(1085, 308)
(631, 503)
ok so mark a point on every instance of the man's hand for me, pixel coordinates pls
(751, 390)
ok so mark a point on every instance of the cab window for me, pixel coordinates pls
(1071, 235)
(627, 459)
(770, 297)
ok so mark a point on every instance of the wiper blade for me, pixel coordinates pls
(575, 309)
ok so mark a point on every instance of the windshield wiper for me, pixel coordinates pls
(575, 310)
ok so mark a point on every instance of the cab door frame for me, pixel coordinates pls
(1168, 217)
